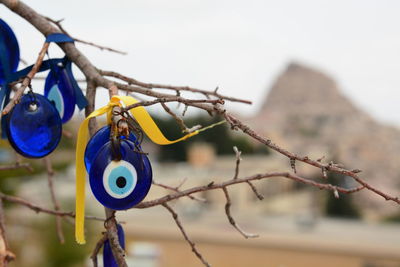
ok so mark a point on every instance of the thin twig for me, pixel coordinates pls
(190, 242)
(56, 204)
(176, 189)
(238, 159)
(172, 99)
(112, 234)
(214, 186)
(170, 87)
(179, 120)
(5, 255)
(17, 165)
(328, 167)
(255, 191)
(38, 209)
(230, 218)
(97, 248)
(238, 153)
(101, 47)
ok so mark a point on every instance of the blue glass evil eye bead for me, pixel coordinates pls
(108, 258)
(9, 51)
(121, 184)
(101, 137)
(34, 126)
(59, 89)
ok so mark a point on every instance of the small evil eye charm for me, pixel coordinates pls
(123, 183)
(34, 126)
(108, 258)
(9, 51)
(59, 89)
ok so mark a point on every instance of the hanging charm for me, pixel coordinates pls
(9, 51)
(34, 126)
(62, 89)
(64, 96)
(120, 173)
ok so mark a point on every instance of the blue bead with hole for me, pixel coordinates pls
(34, 126)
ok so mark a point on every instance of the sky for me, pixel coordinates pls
(240, 46)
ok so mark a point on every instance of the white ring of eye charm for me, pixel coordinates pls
(112, 166)
(56, 96)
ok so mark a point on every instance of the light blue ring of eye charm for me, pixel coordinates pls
(97, 176)
(55, 96)
(119, 178)
(34, 126)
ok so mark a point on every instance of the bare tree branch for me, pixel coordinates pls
(112, 235)
(38, 209)
(214, 186)
(16, 165)
(230, 218)
(190, 242)
(238, 160)
(178, 120)
(176, 189)
(5, 255)
(97, 248)
(170, 87)
(255, 191)
(56, 204)
(101, 47)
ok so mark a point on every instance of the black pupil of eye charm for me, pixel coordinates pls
(34, 126)
(120, 184)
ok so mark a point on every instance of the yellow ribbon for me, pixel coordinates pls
(147, 124)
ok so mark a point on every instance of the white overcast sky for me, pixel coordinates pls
(237, 45)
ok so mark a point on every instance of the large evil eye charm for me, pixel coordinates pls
(120, 184)
(59, 89)
(34, 126)
(9, 51)
(101, 137)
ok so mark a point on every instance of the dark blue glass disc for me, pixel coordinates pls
(122, 184)
(108, 258)
(101, 137)
(11, 54)
(34, 126)
(60, 90)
